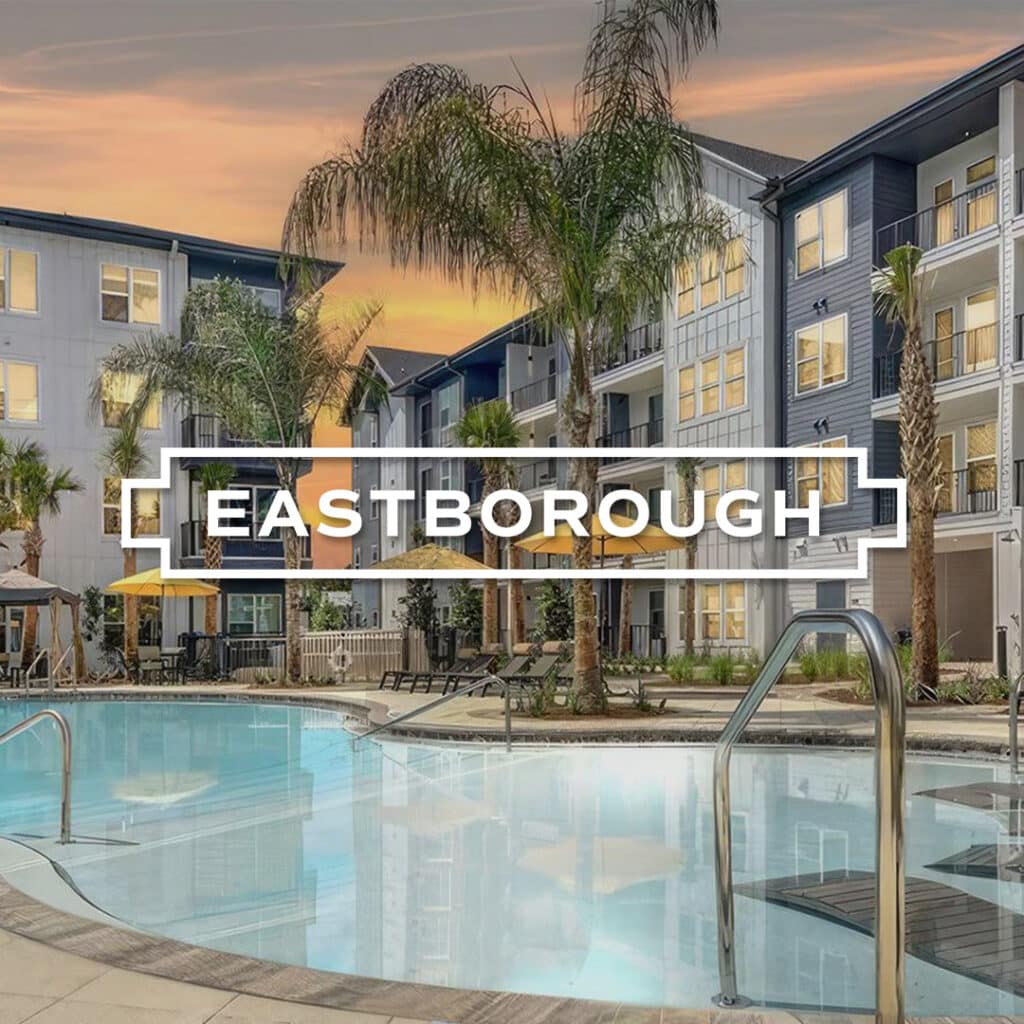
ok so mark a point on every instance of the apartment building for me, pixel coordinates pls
(693, 377)
(71, 288)
(947, 174)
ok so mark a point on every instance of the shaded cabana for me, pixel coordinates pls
(19, 589)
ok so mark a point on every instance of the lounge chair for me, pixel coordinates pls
(513, 670)
(476, 668)
(536, 674)
(397, 676)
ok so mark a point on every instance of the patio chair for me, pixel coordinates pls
(515, 668)
(474, 668)
(397, 676)
(150, 662)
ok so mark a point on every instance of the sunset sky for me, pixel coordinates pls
(201, 116)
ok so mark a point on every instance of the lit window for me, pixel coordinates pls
(254, 614)
(130, 295)
(710, 379)
(735, 476)
(711, 485)
(981, 201)
(711, 611)
(735, 611)
(147, 510)
(730, 598)
(19, 281)
(119, 392)
(19, 392)
(981, 458)
(710, 285)
(981, 170)
(821, 234)
(821, 355)
(736, 480)
(687, 393)
(686, 283)
(735, 259)
(735, 379)
(825, 475)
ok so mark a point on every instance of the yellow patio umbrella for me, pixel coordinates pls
(151, 584)
(431, 556)
(649, 541)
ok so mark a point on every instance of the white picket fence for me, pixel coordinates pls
(361, 655)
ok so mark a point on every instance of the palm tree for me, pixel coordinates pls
(899, 296)
(687, 472)
(492, 425)
(36, 491)
(585, 225)
(626, 609)
(213, 476)
(266, 377)
(124, 458)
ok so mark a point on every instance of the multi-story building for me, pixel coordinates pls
(946, 174)
(694, 377)
(72, 288)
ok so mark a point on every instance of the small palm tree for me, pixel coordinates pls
(899, 296)
(264, 376)
(584, 224)
(687, 472)
(124, 457)
(35, 492)
(213, 476)
(492, 425)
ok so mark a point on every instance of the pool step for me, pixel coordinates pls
(1003, 800)
(945, 926)
(984, 860)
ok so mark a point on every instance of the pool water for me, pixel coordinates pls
(571, 871)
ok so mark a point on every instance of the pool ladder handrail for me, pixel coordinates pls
(65, 785)
(1014, 716)
(890, 742)
(476, 684)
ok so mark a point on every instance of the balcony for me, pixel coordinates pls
(532, 476)
(959, 217)
(538, 392)
(959, 355)
(643, 435)
(962, 492)
(243, 547)
(204, 431)
(637, 344)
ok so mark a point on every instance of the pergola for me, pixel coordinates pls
(18, 589)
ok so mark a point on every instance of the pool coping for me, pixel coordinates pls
(173, 960)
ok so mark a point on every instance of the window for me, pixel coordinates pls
(821, 234)
(373, 425)
(942, 195)
(447, 411)
(734, 476)
(944, 450)
(710, 287)
(357, 558)
(821, 355)
(825, 475)
(444, 475)
(12, 626)
(980, 338)
(981, 170)
(374, 554)
(254, 614)
(686, 282)
(981, 461)
(687, 393)
(19, 392)
(119, 391)
(710, 377)
(981, 201)
(426, 484)
(150, 621)
(130, 295)
(735, 379)
(147, 510)
(19, 281)
(723, 605)
(735, 260)
(426, 425)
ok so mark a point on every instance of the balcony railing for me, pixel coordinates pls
(969, 491)
(959, 355)
(958, 217)
(637, 344)
(205, 431)
(1018, 482)
(535, 393)
(643, 435)
(645, 640)
(237, 547)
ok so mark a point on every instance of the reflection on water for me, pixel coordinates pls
(575, 871)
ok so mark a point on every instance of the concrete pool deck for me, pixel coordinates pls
(58, 968)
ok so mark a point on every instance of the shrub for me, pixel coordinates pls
(722, 669)
(680, 668)
(553, 606)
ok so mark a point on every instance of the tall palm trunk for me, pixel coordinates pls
(587, 683)
(293, 608)
(686, 470)
(129, 565)
(626, 610)
(920, 465)
(515, 561)
(213, 558)
(32, 548)
(490, 600)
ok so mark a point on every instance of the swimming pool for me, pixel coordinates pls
(264, 830)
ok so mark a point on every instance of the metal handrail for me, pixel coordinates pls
(484, 681)
(1014, 713)
(889, 754)
(65, 785)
